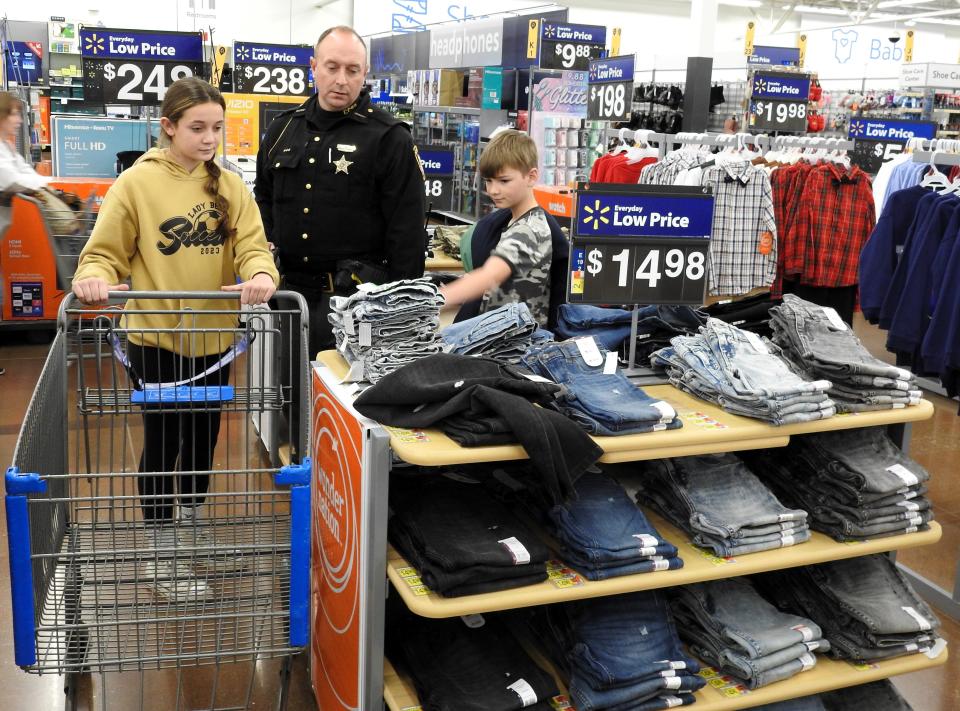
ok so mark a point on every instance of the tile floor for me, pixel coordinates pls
(936, 444)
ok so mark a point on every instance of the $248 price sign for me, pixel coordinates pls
(135, 82)
(277, 80)
(641, 272)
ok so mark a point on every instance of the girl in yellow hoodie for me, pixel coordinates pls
(175, 222)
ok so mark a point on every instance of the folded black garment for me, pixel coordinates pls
(750, 314)
(477, 668)
(460, 539)
(432, 389)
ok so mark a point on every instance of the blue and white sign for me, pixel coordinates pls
(101, 43)
(436, 162)
(611, 88)
(890, 130)
(87, 146)
(767, 85)
(571, 47)
(577, 34)
(24, 62)
(284, 54)
(775, 56)
(625, 215)
(612, 69)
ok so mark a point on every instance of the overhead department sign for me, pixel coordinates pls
(468, 44)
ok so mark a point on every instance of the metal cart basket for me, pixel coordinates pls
(101, 584)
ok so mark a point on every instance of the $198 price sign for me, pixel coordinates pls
(774, 115)
(137, 83)
(648, 272)
(610, 102)
(278, 80)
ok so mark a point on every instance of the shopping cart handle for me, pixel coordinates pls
(294, 474)
(20, 483)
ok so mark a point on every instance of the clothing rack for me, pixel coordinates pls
(839, 144)
(937, 157)
(719, 140)
(640, 135)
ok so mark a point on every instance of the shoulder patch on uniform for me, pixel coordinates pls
(416, 154)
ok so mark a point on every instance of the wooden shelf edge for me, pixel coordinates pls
(829, 674)
(699, 566)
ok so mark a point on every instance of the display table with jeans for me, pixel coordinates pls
(706, 430)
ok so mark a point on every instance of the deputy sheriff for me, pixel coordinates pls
(340, 186)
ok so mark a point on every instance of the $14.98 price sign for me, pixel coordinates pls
(275, 69)
(654, 271)
(134, 82)
(610, 84)
(570, 47)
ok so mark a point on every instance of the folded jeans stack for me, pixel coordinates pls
(729, 625)
(504, 334)
(620, 653)
(595, 395)
(460, 540)
(382, 328)
(656, 325)
(856, 484)
(865, 607)
(744, 374)
(720, 504)
(821, 345)
(467, 664)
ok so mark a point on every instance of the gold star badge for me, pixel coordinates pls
(343, 165)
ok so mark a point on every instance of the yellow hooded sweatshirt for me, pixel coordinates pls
(157, 225)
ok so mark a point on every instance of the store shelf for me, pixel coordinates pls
(441, 262)
(699, 565)
(706, 429)
(827, 675)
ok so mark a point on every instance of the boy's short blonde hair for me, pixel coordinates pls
(508, 149)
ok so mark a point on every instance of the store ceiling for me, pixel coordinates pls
(903, 13)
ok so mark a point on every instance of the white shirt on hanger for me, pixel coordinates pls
(16, 174)
(883, 179)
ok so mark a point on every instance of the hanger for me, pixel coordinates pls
(935, 180)
(622, 146)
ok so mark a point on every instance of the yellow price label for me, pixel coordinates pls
(615, 42)
(732, 691)
(576, 283)
(414, 581)
(533, 39)
(407, 572)
(421, 590)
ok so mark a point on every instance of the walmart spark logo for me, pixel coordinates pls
(242, 54)
(549, 31)
(94, 43)
(857, 128)
(760, 86)
(595, 215)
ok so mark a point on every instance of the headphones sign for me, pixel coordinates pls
(877, 141)
(272, 69)
(136, 67)
(571, 47)
(437, 163)
(640, 244)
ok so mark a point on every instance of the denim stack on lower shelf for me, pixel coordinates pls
(821, 345)
(743, 374)
(599, 398)
(856, 484)
(467, 664)
(866, 608)
(505, 334)
(619, 653)
(379, 329)
(719, 503)
(460, 540)
(729, 625)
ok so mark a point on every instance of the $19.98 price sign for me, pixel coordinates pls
(610, 84)
(640, 245)
(774, 115)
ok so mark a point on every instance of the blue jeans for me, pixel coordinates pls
(602, 404)
(474, 335)
(587, 698)
(610, 327)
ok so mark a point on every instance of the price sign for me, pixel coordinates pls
(775, 115)
(570, 47)
(273, 69)
(876, 141)
(136, 67)
(138, 83)
(610, 84)
(655, 271)
(437, 163)
(639, 244)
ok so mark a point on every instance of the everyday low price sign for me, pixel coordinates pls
(438, 165)
(277, 69)
(611, 88)
(638, 244)
(570, 46)
(877, 141)
(778, 102)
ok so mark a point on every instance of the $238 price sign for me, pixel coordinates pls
(137, 83)
(774, 115)
(647, 272)
(277, 80)
(610, 102)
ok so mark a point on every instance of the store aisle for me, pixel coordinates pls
(935, 444)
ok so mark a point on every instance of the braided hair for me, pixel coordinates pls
(181, 96)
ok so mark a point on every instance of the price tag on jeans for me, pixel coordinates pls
(590, 352)
(834, 318)
(610, 366)
(909, 505)
(521, 556)
(920, 619)
(805, 631)
(908, 477)
(366, 335)
(474, 622)
(522, 688)
(348, 326)
(808, 661)
(937, 649)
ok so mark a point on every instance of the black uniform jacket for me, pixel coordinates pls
(352, 187)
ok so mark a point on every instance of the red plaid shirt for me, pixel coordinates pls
(833, 219)
(787, 183)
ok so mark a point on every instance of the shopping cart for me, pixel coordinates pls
(87, 593)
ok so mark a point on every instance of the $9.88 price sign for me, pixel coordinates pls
(110, 81)
(640, 272)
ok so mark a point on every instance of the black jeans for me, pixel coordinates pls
(176, 438)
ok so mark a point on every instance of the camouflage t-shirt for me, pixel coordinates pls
(527, 247)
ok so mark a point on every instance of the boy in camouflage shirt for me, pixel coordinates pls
(518, 268)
